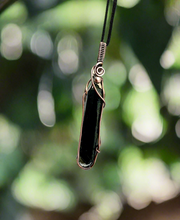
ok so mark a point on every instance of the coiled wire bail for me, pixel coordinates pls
(102, 52)
(101, 55)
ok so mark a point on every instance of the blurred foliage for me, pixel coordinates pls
(47, 49)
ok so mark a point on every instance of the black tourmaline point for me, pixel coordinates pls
(90, 128)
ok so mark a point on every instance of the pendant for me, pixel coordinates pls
(93, 103)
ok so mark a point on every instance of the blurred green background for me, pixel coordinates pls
(47, 49)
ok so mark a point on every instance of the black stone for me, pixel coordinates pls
(90, 130)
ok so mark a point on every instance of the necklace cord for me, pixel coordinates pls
(111, 21)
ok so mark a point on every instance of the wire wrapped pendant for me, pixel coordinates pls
(93, 103)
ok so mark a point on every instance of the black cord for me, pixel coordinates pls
(111, 21)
